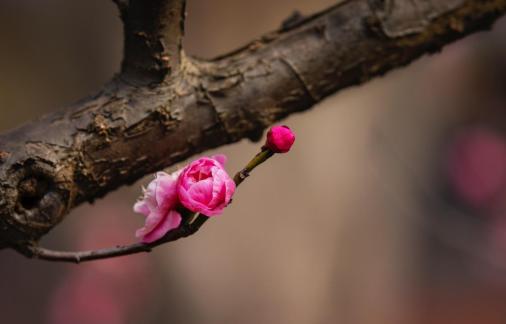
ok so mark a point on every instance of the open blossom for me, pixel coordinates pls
(205, 187)
(280, 139)
(159, 206)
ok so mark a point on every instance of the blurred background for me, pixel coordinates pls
(391, 208)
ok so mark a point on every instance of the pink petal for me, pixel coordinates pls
(172, 220)
(151, 222)
(230, 184)
(149, 195)
(219, 189)
(188, 202)
(150, 190)
(166, 193)
(141, 207)
(221, 158)
(202, 191)
(219, 202)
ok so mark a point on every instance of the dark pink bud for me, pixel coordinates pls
(280, 139)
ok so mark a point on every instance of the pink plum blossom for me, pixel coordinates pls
(159, 206)
(280, 139)
(205, 187)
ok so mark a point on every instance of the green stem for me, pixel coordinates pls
(260, 158)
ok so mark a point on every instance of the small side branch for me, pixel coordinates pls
(153, 35)
(82, 256)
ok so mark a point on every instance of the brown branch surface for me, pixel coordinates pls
(157, 112)
(153, 32)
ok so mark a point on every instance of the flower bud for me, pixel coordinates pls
(280, 139)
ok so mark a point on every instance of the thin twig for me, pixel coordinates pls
(256, 161)
(81, 256)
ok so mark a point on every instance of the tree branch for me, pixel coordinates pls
(34, 251)
(153, 33)
(142, 121)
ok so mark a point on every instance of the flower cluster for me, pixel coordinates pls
(202, 187)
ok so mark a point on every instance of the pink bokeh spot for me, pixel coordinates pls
(83, 300)
(112, 291)
(476, 166)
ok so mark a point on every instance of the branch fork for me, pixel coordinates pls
(153, 32)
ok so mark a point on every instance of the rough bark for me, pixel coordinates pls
(164, 106)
